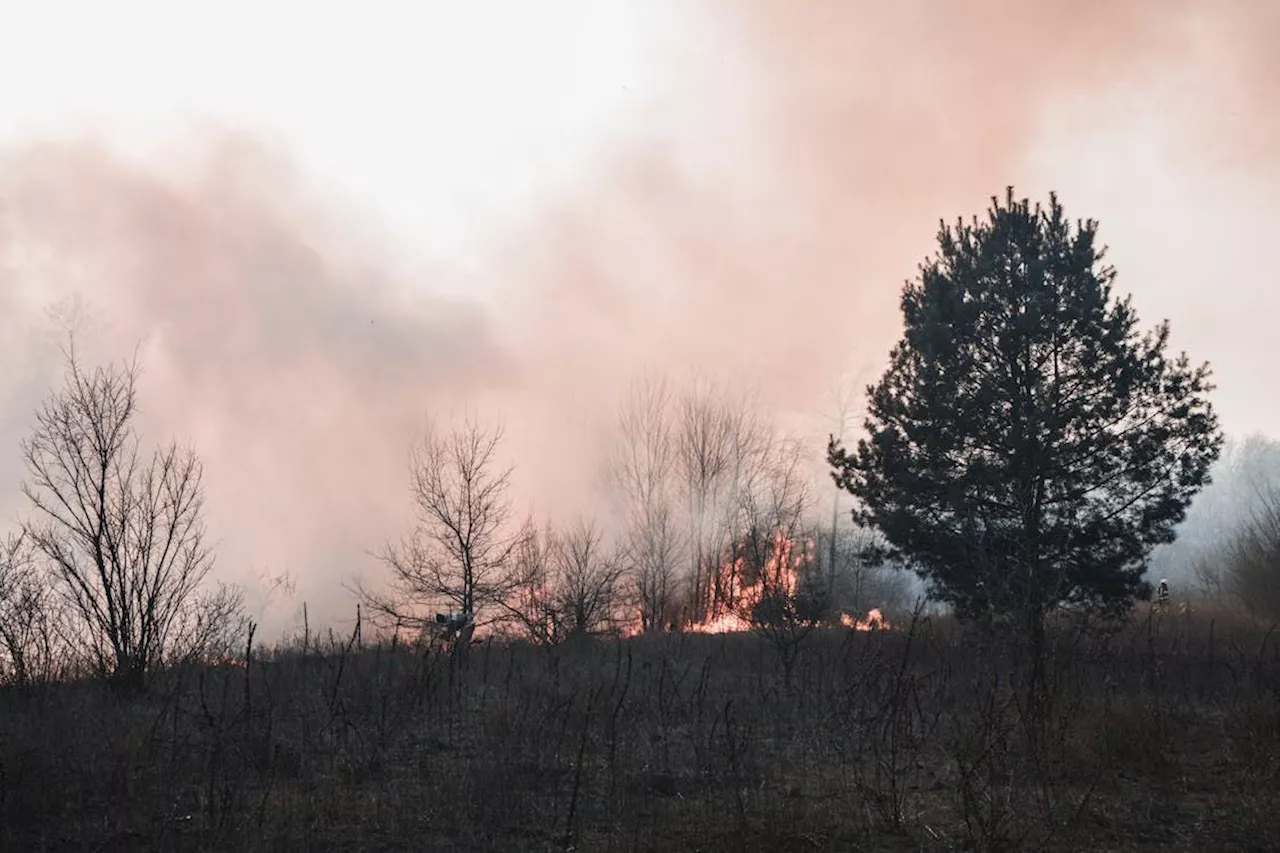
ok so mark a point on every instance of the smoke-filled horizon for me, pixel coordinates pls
(752, 223)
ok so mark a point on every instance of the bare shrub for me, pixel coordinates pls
(215, 628)
(1210, 578)
(589, 579)
(1252, 569)
(29, 630)
(570, 585)
(532, 605)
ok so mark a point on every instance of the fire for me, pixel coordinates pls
(731, 598)
(727, 623)
(875, 621)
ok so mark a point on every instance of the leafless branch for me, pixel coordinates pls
(122, 534)
(461, 554)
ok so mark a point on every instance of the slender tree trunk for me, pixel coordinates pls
(835, 521)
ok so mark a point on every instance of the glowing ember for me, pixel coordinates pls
(726, 624)
(875, 621)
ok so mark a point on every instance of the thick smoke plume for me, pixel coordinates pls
(289, 359)
(756, 232)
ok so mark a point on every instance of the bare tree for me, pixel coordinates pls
(643, 468)
(844, 401)
(645, 456)
(461, 553)
(589, 581)
(28, 616)
(786, 593)
(532, 604)
(771, 511)
(719, 445)
(123, 534)
(570, 584)
(653, 549)
(215, 627)
(1252, 571)
(1210, 579)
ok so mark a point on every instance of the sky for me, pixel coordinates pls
(322, 223)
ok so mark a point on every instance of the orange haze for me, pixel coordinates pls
(758, 227)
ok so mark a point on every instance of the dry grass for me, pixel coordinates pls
(1161, 734)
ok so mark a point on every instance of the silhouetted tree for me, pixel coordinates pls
(776, 584)
(643, 467)
(570, 585)
(1027, 446)
(29, 614)
(531, 606)
(461, 555)
(588, 580)
(652, 549)
(123, 534)
(721, 447)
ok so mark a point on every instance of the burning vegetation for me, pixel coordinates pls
(746, 593)
(714, 531)
(875, 621)
(787, 587)
(956, 731)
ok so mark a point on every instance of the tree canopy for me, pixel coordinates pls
(1028, 445)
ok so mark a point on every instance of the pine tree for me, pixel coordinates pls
(1028, 446)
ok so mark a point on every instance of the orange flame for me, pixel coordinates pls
(733, 595)
(875, 621)
(727, 623)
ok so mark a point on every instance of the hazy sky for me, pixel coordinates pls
(324, 221)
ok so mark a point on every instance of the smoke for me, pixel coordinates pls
(866, 122)
(755, 229)
(283, 352)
